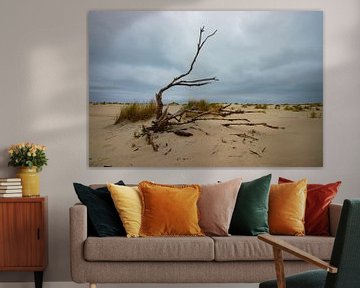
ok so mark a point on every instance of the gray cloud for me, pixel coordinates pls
(259, 56)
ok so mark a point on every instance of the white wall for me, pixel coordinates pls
(43, 90)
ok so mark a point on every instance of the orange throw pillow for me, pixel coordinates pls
(319, 197)
(169, 210)
(287, 204)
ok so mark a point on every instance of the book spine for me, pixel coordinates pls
(10, 191)
(10, 187)
(10, 183)
(10, 195)
(10, 180)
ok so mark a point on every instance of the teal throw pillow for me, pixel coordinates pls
(250, 216)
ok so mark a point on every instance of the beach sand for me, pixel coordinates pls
(297, 143)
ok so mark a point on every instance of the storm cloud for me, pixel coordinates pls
(258, 56)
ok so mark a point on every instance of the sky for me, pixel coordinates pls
(258, 56)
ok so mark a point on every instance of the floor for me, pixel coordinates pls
(74, 285)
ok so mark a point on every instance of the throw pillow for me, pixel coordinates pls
(169, 210)
(287, 204)
(250, 215)
(216, 206)
(319, 197)
(127, 201)
(102, 215)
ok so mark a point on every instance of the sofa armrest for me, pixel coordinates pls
(78, 235)
(334, 217)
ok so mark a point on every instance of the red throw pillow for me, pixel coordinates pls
(319, 197)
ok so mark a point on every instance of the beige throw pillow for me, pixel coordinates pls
(216, 205)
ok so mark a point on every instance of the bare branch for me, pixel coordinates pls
(189, 83)
(192, 85)
(196, 80)
(199, 46)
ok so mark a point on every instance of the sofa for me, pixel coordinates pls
(233, 259)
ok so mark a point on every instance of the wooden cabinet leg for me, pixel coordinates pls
(92, 285)
(38, 279)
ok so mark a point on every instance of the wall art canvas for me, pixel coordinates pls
(205, 88)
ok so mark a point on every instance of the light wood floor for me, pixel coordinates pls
(74, 285)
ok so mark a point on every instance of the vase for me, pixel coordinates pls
(30, 181)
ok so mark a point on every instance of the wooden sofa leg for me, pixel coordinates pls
(92, 285)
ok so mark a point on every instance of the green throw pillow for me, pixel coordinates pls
(250, 216)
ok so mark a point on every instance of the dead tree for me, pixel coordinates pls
(161, 115)
(167, 122)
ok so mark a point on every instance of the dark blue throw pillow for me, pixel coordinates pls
(103, 218)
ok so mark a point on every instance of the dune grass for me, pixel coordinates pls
(295, 108)
(202, 105)
(261, 106)
(136, 112)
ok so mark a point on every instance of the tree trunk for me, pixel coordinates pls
(159, 105)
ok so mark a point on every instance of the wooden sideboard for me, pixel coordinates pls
(23, 235)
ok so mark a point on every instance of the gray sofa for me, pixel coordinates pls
(234, 259)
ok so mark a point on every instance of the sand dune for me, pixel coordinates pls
(299, 141)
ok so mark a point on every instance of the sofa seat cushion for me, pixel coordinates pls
(149, 249)
(243, 248)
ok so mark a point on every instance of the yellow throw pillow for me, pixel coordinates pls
(169, 210)
(127, 201)
(287, 204)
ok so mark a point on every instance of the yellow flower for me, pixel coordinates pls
(42, 147)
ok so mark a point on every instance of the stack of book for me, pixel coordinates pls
(10, 187)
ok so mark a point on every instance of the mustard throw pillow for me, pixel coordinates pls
(287, 204)
(127, 201)
(169, 210)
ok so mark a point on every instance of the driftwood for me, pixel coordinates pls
(166, 121)
(167, 152)
(244, 135)
(254, 152)
(253, 124)
(182, 133)
(150, 138)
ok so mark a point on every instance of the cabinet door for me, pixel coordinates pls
(21, 234)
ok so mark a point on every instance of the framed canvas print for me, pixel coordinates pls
(205, 88)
